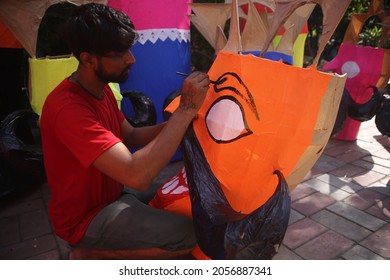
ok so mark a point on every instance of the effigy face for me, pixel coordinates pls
(254, 122)
(262, 121)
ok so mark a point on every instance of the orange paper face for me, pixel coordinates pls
(258, 117)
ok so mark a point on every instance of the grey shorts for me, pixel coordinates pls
(130, 224)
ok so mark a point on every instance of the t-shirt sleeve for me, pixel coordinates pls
(82, 133)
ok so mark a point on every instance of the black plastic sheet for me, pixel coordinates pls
(144, 110)
(223, 233)
(21, 158)
(382, 118)
(366, 111)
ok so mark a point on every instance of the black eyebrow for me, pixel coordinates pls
(248, 99)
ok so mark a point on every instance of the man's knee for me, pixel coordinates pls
(184, 236)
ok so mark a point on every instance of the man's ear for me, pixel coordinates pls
(87, 59)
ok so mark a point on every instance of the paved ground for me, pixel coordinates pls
(340, 211)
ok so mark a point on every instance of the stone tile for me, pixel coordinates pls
(373, 167)
(301, 191)
(381, 209)
(326, 163)
(364, 199)
(286, 254)
(312, 203)
(336, 149)
(369, 146)
(50, 255)
(45, 193)
(340, 225)
(332, 142)
(360, 253)
(384, 141)
(358, 216)
(22, 207)
(9, 231)
(381, 187)
(28, 248)
(382, 153)
(327, 189)
(378, 161)
(352, 155)
(301, 232)
(344, 184)
(314, 172)
(27, 195)
(295, 216)
(34, 224)
(327, 246)
(368, 178)
(379, 242)
(347, 171)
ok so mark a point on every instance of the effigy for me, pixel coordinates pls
(262, 127)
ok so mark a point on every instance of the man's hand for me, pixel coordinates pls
(194, 91)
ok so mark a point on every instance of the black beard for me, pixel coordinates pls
(223, 233)
(113, 79)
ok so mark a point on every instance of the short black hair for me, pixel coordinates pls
(98, 29)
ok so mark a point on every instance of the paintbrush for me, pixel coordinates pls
(186, 75)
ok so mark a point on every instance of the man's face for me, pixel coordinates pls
(114, 67)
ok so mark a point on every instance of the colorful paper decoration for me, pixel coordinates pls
(255, 18)
(23, 18)
(162, 50)
(262, 120)
(365, 66)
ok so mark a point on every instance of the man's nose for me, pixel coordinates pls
(129, 58)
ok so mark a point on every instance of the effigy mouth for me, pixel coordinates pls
(221, 231)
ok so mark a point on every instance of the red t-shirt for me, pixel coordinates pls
(76, 128)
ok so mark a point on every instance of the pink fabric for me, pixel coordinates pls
(363, 66)
(151, 14)
(366, 62)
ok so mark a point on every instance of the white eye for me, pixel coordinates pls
(351, 68)
(225, 120)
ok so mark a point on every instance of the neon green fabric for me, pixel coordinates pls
(47, 73)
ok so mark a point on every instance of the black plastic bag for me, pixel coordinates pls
(223, 233)
(21, 158)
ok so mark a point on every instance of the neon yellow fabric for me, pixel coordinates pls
(298, 48)
(116, 90)
(47, 73)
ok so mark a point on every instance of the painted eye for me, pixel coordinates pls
(225, 120)
(351, 68)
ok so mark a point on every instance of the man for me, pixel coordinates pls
(85, 142)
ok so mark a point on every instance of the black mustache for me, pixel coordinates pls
(222, 232)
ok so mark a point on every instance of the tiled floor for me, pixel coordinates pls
(340, 211)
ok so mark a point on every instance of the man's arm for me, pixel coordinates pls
(139, 136)
(137, 170)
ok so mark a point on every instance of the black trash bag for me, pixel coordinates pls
(223, 233)
(260, 234)
(382, 118)
(366, 111)
(144, 110)
(21, 158)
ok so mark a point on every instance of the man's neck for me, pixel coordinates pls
(93, 88)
